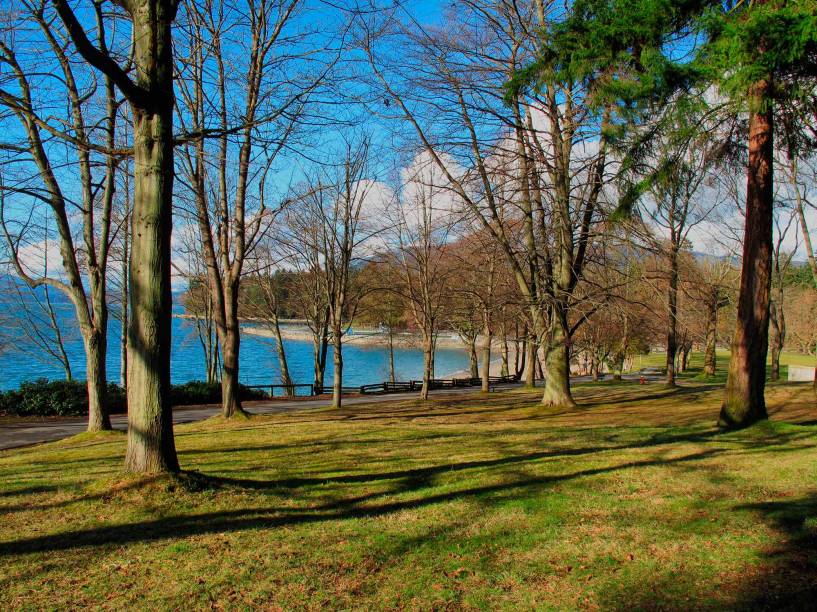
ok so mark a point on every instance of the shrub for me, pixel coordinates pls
(200, 392)
(46, 398)
(62, 398)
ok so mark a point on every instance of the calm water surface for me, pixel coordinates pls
(259, 364)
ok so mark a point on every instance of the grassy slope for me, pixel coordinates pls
(632, 501)
(696, 360)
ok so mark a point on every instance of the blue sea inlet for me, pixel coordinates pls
(20, 361)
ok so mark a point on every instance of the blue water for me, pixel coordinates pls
(259, 362)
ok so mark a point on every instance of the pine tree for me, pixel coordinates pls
(759, 57)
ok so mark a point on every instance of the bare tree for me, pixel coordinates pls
(151, 447)
(422, 223)
(198, 301)
(333, 206)
(777, 315)
(799, 184)
(255, 39)
(536, 142)
(309, 295)
(36, 329)
(85, 142)
(673, 210)
(713, 291)
(268, 309)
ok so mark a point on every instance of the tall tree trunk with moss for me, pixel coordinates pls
(428, 359)
(123, 333)
(710, 357)
(337, 366)
(744, 401)
(230, 340)
(150, 446)
(473, 361)
(557, 379)
(487, 339)
(392, 374)
(672, 317)
(283, 365)
(529, 358)
(505, 370)
(150, 426)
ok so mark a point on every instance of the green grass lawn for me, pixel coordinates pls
(632, 501)
(696, 362)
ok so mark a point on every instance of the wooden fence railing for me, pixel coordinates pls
(383, 388)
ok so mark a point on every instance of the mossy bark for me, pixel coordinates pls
(710, 357)
(672, 317)
(487, 338)
(150, 446)
(337, 363)
(557, 380)
(744, 402)
(428, 365)
(95, 351)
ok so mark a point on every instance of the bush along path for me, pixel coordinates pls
(16, 432)
(70, 398)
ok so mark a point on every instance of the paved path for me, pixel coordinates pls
(13, 435)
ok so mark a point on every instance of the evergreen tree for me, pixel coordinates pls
(758, 58)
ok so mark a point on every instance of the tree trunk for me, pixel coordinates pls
(324, 349)
(472, 356)
(213, 369)
(744, 401)
(96, 379)
(392, 374)
(317, 348)
(230, 338)
(672, 318)
(123, 336)
(427, 365)
(531, 358)
(506, 369)
(486, 357)
(337, 361)
(286, 379)
(150, 418)
(777, 318)
(151, 447)
(710, 357)
(557, 382)
(516, 350)
(230, 346)
(775, 365)
(433, 356)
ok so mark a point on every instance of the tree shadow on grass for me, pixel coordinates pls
(785, 580)
(789, 575)
(426, 472)
(617, 395)
(180, 526)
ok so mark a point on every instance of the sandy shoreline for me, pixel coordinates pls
(361, 338)
(293, 329)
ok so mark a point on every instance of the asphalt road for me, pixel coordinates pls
(13, 435)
